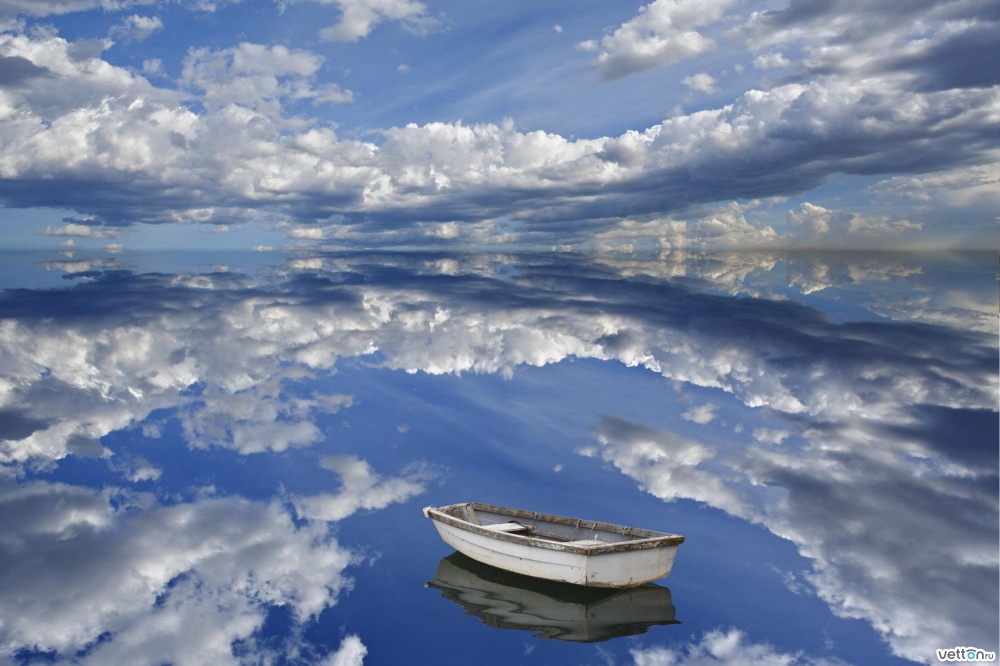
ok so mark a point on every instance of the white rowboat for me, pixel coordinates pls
(569, 550)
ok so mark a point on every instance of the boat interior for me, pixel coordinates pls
(544, 526)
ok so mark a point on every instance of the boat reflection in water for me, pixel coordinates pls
(556, 610)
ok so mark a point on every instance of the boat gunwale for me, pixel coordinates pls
(646, 538)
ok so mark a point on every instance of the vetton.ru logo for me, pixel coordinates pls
(965, 654)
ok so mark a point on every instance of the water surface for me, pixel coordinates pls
(222, 459)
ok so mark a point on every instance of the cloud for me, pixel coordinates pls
(350, 653)
(811, 220)
(137, 28)
(701, 82)
(142, 470)
(78, 230)
(934, 45)
(969, 193)
(41, 8)
(770, 435)
(259, 77)
(850, 502)
(56, 7)
(242, 408)
(152, 67)
(719, 648)
(113, 579)
(104, 140)
(16, 71)
(311, 233)
(664, 32)
(258, 418)
(360, 488)
(248, 344)
(701, 415)
(82, 266)
(854, 569)
(667, 466)
(359, 17)
(816, 226)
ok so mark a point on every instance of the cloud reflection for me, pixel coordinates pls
(666, 465)
(361, 489)
(723, 648)
(902, 538)
(114, 578)
(855, 458)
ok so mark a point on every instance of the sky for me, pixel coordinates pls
(277, 124)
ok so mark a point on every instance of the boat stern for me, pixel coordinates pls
(630, 568)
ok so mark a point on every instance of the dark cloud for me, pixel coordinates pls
(963, 60)
(18, 71)
(87, 49)
(956, 434)
(790, 152)
(17, 424)
(860, 16)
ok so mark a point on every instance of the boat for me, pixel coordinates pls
(557, 548)
(556, 611)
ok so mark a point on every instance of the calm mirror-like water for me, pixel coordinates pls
(211, 463)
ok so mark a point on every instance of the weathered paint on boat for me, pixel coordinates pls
(570, 550)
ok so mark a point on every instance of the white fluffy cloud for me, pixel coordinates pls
(851, 501)
(724, 648)
(77, 230)
(359, 17)
(259, 77)
(136, 28)
(350, 653)
(246, 349)
(811, 220)
(770, 61)
(306, 234)
(664, 32)
(243, 137)
(667, 466)
(701, 415)
(242, 150)
(701, 82)
(360, 488)
(170, 583)
(257, 419)
(118, 373)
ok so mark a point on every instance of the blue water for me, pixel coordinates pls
(222, 459)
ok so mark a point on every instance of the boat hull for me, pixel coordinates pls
(589, 563)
